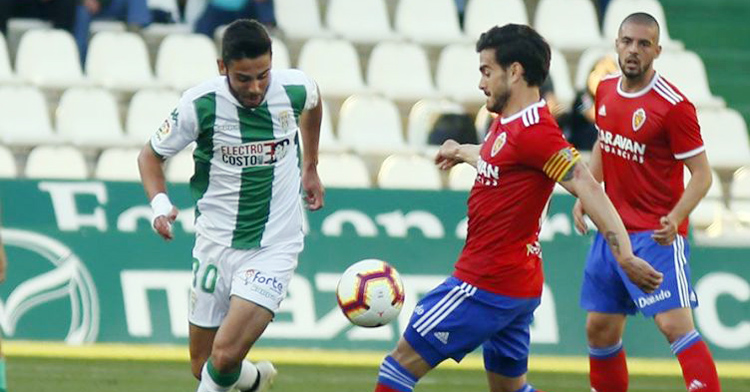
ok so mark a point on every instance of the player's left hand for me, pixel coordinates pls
(313, 188)
(667, 233)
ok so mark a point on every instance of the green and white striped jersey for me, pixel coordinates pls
(247, 182)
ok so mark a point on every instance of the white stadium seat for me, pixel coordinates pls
(299, 19)
(462, 177)
(725, 136)
(334, 65)
(568, 25)
(343, 171)
(185, 60)
(686, 71)
(181, 166)
(361, 21)
(428, 22)
(739, 202)
(118, 164)
(408, 78)
(422, 117)
(560, 74)
(34, 59)
(586, 63)
(409, 172)
(481, 15)
(457, 76)
(88, 117)
(328, 140)
(6, 73)
(279, 54)
(147, 111)
(8, 168)
(56, 162)
(711, 208)
(24, 117)
(119, 61)
(618, 10)
(370, 124)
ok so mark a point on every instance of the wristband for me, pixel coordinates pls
(160, 205)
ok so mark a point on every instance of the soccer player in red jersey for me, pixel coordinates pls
(490, 298)
(647, 132)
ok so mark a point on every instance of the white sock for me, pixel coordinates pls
(248, 376)
(209, 385)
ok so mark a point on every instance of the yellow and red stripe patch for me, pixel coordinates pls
(559, 163)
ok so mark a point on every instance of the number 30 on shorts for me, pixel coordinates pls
(210, 274)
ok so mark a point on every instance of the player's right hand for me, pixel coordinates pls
(163, 224)
(578, 220)
(642, 274)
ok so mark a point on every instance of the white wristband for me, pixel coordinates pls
(160, 205)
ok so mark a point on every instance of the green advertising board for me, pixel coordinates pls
(85, 266)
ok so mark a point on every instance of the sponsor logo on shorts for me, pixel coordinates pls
(261, 282)
(654, 298)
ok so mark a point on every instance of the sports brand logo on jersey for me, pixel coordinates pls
(498, 144)
(639, 118)
(442, 337)
(602, 111)
(286, 120)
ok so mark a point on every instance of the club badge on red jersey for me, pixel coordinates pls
(639, 118)
(499, 143)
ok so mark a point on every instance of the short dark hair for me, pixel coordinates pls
(522, 44)
(244, 38)
(642, 18)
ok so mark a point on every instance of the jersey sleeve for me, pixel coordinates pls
(683, 131)
(312, 96)
(546, 149)
(178, 130)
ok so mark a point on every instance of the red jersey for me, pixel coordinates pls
(643, 138)
(519, 162)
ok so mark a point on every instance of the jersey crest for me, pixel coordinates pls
(499, 143)
(639, 118)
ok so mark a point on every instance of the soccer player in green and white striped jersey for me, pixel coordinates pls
(248, 182)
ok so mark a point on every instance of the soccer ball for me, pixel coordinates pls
(370, 293)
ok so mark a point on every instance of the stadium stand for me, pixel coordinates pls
(456, 76)
(462, 177)
(299, 19)
(343, 171)
(480, 15)
(8, 168)
(147, 111)
(428, 22)
(409, 172)
(361, 21)
(181, 166)
(334, 64)
(422, 117)
(408, 78)
(119, 61)
(6, 72)
(740, 191)
(568, 25)
(37, 48)
(617, 10)
(88, 117)
(725, 136)
(24, 117)
(370, 124)
(175, 51)
(118, 164)
(46, 162)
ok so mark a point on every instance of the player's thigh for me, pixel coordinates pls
(201, 341)
(676, 290)
(244, 323)
(602, 288)
(675, 323)
(500, 383)
(210, 288)
(604, 329)
(410, 359)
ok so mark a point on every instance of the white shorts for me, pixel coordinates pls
(259, 275)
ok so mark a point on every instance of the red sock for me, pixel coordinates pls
(384, 388)
(609, 374)
(698, 368)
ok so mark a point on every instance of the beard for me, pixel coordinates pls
(634, 73)
(501, 100)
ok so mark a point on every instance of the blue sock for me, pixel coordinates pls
(394, 376)
(605, 352)
(685, 341)
(526, 388)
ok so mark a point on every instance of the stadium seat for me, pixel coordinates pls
(409, 172)
(462, 177)
(361, 21)
(56, 162)
(726, 139)
(711, 208)
(408, 78)
(299, 19)
(24, 117)
(185, 60)
(280, 54)
(181, 166)
(328, 140)
(49, 59)
(568, 25)
(334, 65)
(6, 73)
(119, 61)
(586, 63)
(147, 111)
(560, 74)
(370, 124)
(686, 71)
(422, 117)
(457, 76)
(8, 168)
(739, 202)
(428, 22)
(118, 164)
(481, 15)
(88, 117)
(343, 171)
(618, 10)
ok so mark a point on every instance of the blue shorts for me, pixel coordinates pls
(607, 289)
(455, 318)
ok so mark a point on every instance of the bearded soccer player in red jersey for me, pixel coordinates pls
(490, 298)
(647, 132)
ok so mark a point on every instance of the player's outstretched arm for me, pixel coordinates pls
(151, 168)
(696, 189)
(579, 181)
(310, 121)
(451, 153)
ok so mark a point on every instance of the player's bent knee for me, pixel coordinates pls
(225, 361)
(602, 332)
